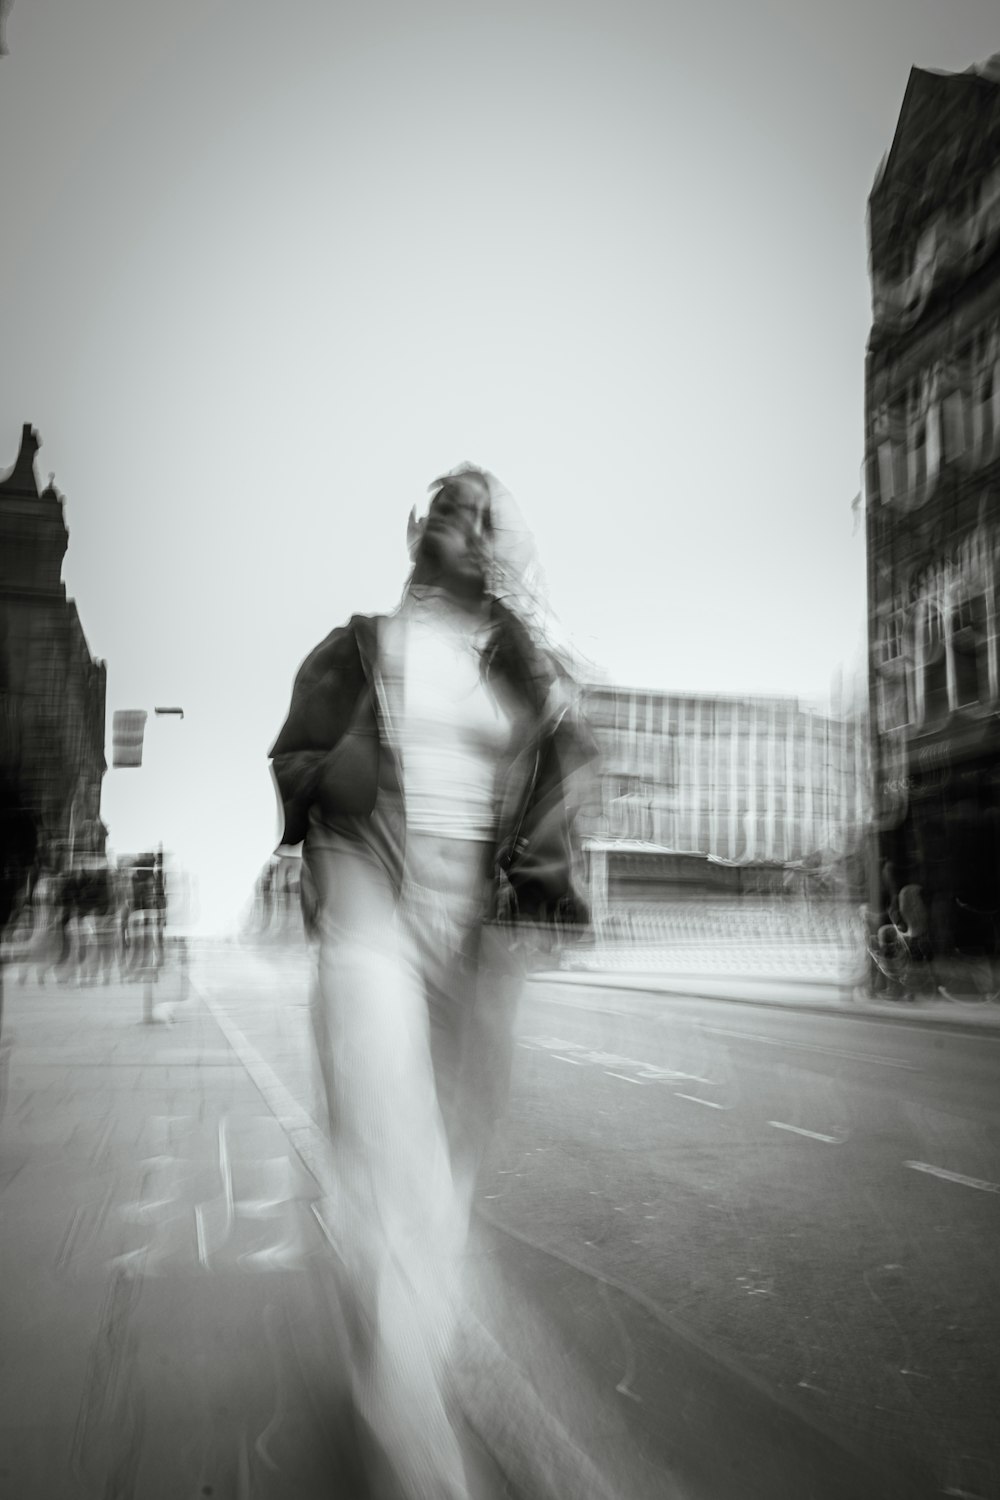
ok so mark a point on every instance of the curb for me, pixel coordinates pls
(829, 997)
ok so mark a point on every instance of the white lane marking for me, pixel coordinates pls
(973, 1182)
(775, 1041)
(588, 1056)
(709, 1103)
(814, 1135)
(624, 1077)
(199, 1224)
(226, 1173)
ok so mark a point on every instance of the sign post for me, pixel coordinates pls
(148, 916)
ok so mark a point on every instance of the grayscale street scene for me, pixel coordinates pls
(499, 751)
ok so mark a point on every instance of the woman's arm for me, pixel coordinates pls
(326, 698)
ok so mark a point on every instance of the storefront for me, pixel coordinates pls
(947, 838)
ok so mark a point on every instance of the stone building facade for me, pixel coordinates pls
(932, 500)
(52, 691)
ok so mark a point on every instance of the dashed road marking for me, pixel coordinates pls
(623, 1076)
(583, 1057)
(201, 1236)
(942, 1172)
(814, 1135)
(708, 1103)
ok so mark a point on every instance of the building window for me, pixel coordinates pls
(934, 663)
(969, 651)
(886, 487)
(984, 417)
(601, 713)
(956, 437)
(918, 453)
(889, 641)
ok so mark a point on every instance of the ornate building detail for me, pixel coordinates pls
(935, 207)
(932, 488)
(52, 692)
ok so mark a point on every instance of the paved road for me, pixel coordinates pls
(814, 1197)
(710, 1301)
(807, 1198)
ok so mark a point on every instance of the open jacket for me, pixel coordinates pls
(335, 752)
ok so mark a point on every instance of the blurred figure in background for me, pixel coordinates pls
(89, 894)
(146, 920)
(38, 941)
(429, 762)
(18, 846)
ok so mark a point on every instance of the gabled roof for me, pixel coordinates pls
(947, 141)
(939, 109)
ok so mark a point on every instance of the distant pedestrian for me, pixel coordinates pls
(19, 836)
(18, 843)
(146, 915)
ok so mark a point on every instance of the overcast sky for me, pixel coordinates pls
(267, 270)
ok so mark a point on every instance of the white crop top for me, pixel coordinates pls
(454, 735)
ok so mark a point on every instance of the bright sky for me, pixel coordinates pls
(266, 270)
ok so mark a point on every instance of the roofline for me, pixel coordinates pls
(806, 705)
(971, 75)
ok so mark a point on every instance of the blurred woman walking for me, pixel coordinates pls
(429, 763)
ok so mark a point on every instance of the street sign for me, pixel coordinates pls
(127, 729)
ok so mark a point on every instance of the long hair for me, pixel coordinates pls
(527, 644)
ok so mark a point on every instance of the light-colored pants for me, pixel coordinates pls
(413, 1012)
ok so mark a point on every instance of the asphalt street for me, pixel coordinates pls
(728, 1250)
(806, 1195)
(814, 1198)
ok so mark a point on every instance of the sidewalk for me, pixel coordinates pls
(167, 1329)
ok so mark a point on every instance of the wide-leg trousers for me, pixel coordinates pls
(413, 1012)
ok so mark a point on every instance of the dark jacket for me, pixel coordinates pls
(331, 752)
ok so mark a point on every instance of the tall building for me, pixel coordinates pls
(693, 786)
(52, 691)
(932, 500)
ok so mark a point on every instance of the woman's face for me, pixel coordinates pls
(456, 531)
